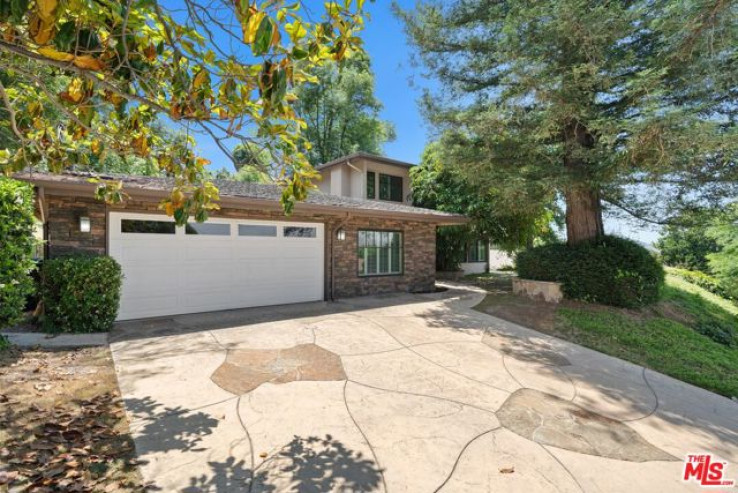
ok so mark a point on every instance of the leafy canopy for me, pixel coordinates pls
(687, 244)
(633, 101)
(724, 262)
(223, 69)
(438, 185)
(341, 112)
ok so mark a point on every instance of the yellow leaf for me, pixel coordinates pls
(46, 9)
(200, 78)
(50, 52)
(41, 31)
(249, 30)
(88, 62)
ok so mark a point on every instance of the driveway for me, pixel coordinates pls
(402, 393)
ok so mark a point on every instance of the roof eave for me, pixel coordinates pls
(235, 202)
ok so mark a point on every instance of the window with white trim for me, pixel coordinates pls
(380, 253)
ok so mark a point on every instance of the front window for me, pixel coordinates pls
(390, 188)
(477, 251)
(299, 232)
(380, 253)
(371, 185)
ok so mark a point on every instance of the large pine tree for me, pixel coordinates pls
(627, 103)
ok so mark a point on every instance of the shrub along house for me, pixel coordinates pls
(248, 253)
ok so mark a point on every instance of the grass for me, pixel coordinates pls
(691, 334)
(698, 346)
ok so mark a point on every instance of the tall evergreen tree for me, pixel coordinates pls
(630, 103)
(342, 112)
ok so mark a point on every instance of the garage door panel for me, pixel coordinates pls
(208, 250)
(181, 273)
(141, 252)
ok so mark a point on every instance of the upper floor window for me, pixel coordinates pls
(371, 185)
(477, 251)
(390, 187)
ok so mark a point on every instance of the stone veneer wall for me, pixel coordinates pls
(419, 247)
(62, 226)
(419, 244)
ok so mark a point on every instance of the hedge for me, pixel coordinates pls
(80, 294)
(610, 270)
(16, 248)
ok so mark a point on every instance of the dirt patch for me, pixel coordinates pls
(535, 314)
(62, 423)
(672, 311)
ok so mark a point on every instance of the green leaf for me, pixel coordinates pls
(64, 39)
(263, 36)
(18, 9)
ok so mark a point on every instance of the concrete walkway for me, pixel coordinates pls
(403, 393)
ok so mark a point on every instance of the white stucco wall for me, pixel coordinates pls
(473, 267)
(350, 181)
(499, 259)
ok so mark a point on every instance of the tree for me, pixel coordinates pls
(225, 69)
(342, 112)
(724, 263)
(252, 164)
(687, 243)
(627, 103)
(436, 185)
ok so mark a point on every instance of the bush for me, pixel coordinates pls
(16, 248)
(80, 294)
(705, 281)
(611, 270)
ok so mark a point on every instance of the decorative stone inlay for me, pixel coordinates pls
(549, 420)
(246, 369)
(525, 350)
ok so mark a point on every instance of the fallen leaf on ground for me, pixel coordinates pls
(507, 470)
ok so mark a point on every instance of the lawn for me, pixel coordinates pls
(691, 335)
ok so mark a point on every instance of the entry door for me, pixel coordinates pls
(217, 265)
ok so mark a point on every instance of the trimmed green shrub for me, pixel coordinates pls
(705, 281)
(16, 248)
(611, 270)
(80, 294)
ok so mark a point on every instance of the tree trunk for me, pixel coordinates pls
(583, 215)
(583, 206)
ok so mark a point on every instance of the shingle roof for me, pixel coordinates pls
(251, 191)
(364, 155)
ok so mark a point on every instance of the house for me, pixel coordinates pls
(367, 176)
(248, 253)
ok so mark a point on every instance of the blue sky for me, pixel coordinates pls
(398, 86)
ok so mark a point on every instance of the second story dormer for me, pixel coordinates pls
(366, 176)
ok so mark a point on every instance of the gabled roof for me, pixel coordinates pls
(245, 195)
(364, 155)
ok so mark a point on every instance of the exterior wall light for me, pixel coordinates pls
(341, 234)
(84, 224)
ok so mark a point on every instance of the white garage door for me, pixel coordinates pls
(217, 265)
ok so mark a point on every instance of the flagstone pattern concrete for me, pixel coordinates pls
(402, 393)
